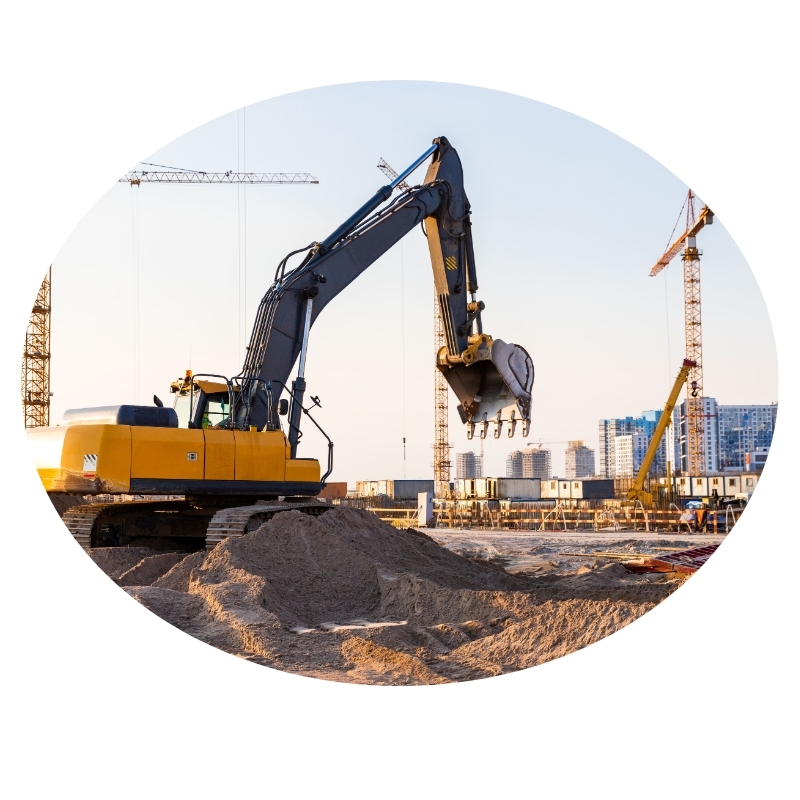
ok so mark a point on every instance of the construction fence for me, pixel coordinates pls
(588, 515)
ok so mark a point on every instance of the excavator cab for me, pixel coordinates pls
(203, 403)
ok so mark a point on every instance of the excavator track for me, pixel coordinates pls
(80, 521)
(83, 521)
(234, 522)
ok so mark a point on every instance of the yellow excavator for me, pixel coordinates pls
(220, 461)
(637, 491)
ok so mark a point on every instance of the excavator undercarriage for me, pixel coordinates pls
(181, 524)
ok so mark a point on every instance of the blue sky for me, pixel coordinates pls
(567, 219)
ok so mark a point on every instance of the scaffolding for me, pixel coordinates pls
(36, 360)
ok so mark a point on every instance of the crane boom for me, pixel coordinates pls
(181, 176)
(706, 217)
(637, 491)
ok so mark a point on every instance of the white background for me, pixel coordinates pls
(103, 699)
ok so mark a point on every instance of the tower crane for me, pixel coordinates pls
(695, 428)
(36, 360)
(36, 392)
(441, 445)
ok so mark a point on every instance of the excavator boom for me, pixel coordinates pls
(489, 377)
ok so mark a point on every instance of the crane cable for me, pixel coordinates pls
(136, 303)
(403, 349)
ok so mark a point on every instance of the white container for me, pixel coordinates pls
(519, 488)
(425, 509)
(549, 490)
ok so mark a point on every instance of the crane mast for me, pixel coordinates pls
(695, 404)
(441, 445)
(36, 360)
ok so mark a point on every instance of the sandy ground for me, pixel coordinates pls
(538, 552)
(346, 597)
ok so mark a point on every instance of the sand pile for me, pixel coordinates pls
(346, 597)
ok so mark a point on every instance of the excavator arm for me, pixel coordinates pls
(488, 376)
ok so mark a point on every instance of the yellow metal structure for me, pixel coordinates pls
(637, 491)
(123, 459)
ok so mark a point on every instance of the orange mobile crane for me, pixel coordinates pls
(637, 491)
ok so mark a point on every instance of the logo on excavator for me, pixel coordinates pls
(450, 263)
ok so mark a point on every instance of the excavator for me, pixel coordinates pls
(221, 461)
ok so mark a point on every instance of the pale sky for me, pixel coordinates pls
(567, 221)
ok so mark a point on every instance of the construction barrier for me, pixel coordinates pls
(543, 516)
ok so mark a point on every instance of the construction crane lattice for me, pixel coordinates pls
(441, 445)
(695, 404)
(36, 360)
(177, 176)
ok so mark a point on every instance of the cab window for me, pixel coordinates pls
(217, 409)
(182, 410)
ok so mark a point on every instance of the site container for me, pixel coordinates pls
(550, 490)
(408, 489)
(602, 489)
(748, 482)
(733, 485)
(519, 488)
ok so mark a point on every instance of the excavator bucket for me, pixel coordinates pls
(493, 384)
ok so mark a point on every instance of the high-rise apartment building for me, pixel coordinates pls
(735, 438)
(744, 431)
(468, 465)
(611, 429)
(514, 464)
(629, 452)
(678, 437)
(578, 460)
(537, 463)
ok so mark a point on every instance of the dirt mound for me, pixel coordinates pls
(553, 629)
(149, 569)
(346, 597)
(376, 664)
(115, 561)
(177, 578)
